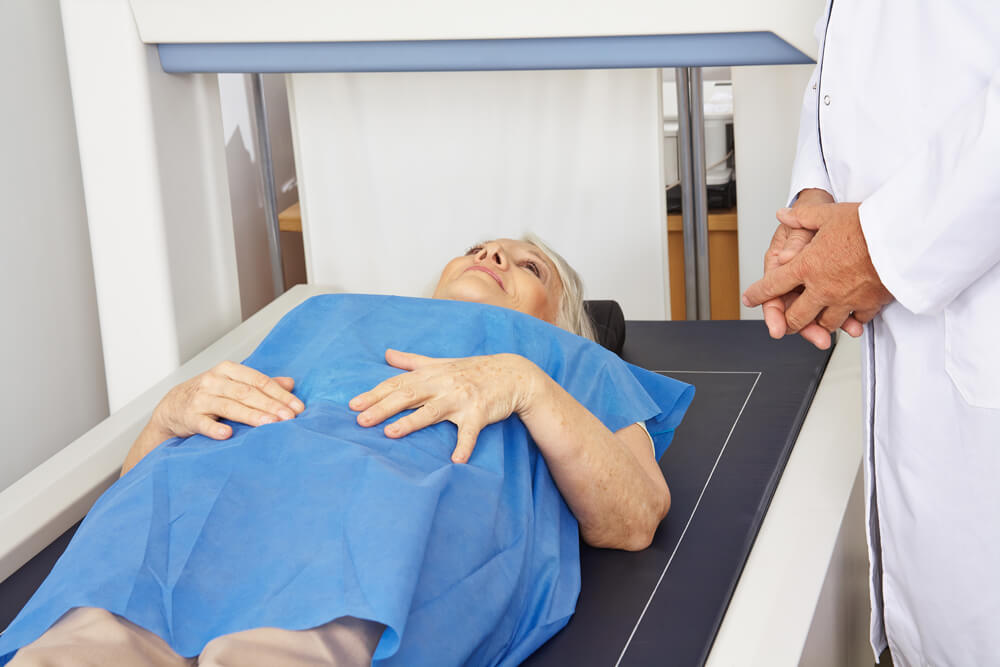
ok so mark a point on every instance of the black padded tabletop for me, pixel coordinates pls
(664, 605)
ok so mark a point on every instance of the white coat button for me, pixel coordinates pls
(826, 100)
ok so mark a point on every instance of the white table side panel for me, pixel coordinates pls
(770, 613)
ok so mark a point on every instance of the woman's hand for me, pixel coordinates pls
(470, 392)
(229, 391)
(611, 481)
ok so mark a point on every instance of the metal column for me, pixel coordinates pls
(267, 177)
(694, 197)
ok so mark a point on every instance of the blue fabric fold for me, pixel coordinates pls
(294, 524)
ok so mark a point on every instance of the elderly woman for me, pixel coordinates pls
(256, 526)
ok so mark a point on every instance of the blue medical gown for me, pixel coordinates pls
(293, 524)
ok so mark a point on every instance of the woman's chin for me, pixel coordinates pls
(469, 293)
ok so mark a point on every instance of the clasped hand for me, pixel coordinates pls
(471, 392)
(818, 275)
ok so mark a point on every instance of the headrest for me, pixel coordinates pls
(609, 323)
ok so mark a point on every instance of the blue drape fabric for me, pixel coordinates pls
(293, 524)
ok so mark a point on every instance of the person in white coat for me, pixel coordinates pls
(895, 225)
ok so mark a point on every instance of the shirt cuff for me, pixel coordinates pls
(645, 430)
(878, 238)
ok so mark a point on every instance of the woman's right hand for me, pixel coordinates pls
(229, 391)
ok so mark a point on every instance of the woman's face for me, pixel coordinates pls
(507, 273)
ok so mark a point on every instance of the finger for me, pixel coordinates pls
(428, 414)
(865, 316)
(778, 240)
(807, 217)
(804, 310)
(467, 436)
(236, 411)
(796, 241)
(369, 398)
(404, 397)
(208, 427)
(254, 398)
(789, 217)
(817, 335)
(776, 282)
(852, 327)
(261, 382)
(287, 383)
(408, 361)
(833, 317)
(774, 317)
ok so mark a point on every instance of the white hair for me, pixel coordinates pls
(571, 314)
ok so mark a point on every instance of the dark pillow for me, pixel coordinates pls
(609, 323)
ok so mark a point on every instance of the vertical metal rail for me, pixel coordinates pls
(700, 193)
(266, 168)
(687, 195)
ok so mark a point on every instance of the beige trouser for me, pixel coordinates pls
(90, 637)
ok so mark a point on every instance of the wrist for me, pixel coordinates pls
(530, 381)
(811, 196)
(156, 429)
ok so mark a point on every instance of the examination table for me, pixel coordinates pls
(663, 605)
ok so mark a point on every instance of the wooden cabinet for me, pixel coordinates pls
(723, 265)
(290, 220)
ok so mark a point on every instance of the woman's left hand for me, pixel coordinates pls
(470, 392)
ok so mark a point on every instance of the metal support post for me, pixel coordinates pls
(694, 196)
(687, 195)
(700, 193)
(267, 178)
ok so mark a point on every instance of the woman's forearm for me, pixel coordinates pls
(611, 480)
(227, 391)
(148, 440)
(618, 499)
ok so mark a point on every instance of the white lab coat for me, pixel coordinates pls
(903, 115)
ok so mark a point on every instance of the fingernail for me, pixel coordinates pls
(392, 429)
(746, 301)
(784, 210)
(285, 413)
(265, 419)
(221, 431)
(355, 402)
(298, 405)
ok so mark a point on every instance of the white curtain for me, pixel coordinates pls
(400, 172)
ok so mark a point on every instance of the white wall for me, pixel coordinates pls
(415, 168)
(53, 385)
(246, 192)
(766, 106)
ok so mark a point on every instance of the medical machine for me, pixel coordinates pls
(758, 562)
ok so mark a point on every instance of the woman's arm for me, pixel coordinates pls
(610, 481)
(229, 391)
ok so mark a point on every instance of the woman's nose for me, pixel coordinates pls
(494, 254)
